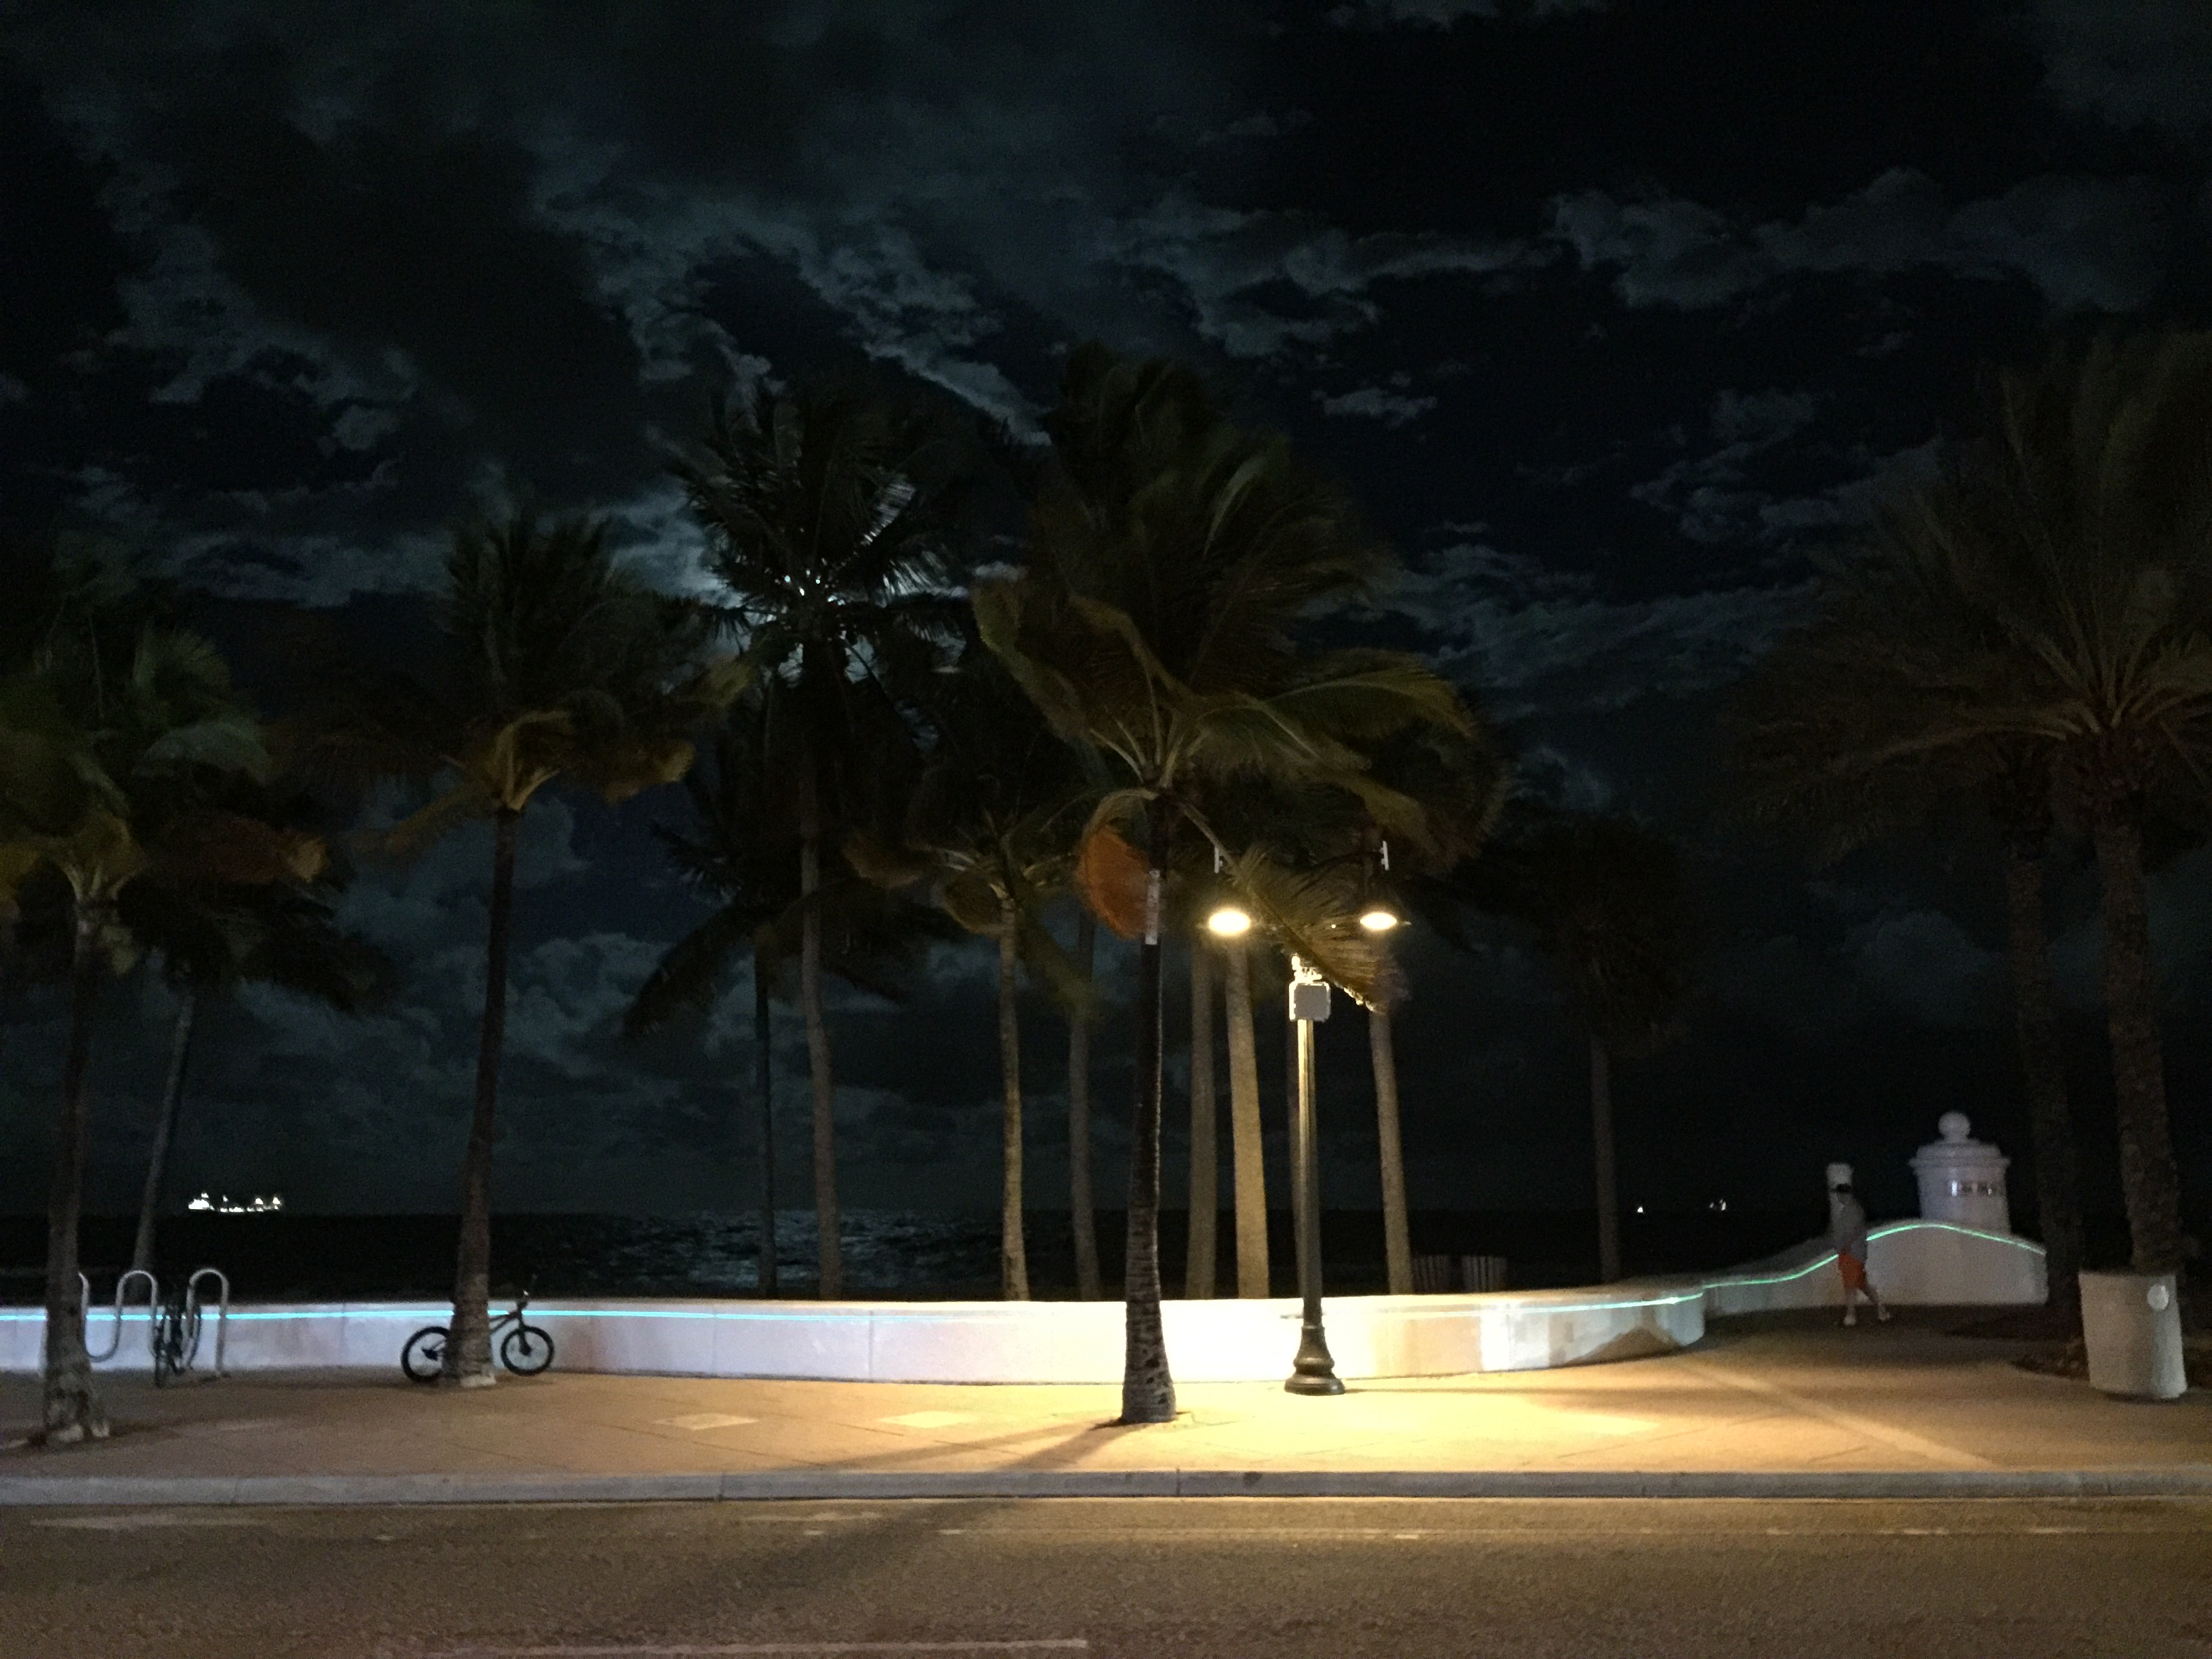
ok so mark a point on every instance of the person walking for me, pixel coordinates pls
(1847, 1230)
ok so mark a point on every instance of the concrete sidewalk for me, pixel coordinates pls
(1780, 1405)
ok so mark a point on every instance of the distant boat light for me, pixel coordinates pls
(259, 1204)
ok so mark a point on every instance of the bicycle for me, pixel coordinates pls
(526, 1350)
(176, 1335)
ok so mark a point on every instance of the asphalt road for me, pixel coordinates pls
(1204, 1578)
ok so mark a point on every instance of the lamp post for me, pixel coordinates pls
(1313, 1371)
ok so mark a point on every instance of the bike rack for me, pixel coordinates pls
(153, 1307)
(221, 1314)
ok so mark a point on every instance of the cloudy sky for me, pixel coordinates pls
(1608, 314)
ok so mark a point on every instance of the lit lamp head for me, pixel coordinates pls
(1227, 922)
(1377, 914)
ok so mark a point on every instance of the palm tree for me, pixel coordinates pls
(557, 666)
(1802, 755)
(2053, 600)
(990, 834)
(111, 769)
(1461, 784)
(1172, 555)
(1246, 1141)
(738, 852)
(214, 935)
(1082, 1218)
(1198, 1271)
(830, 519)
(1603, 896)
(1459, 779)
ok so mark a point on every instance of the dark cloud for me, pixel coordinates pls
(2136, 65)
(1605, 314)
(2086, 244)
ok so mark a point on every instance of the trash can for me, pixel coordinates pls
(2132, 1325)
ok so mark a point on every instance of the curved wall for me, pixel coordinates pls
(1218, 1341)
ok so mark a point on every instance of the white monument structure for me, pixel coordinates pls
(1962, 1180)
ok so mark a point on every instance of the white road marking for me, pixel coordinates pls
(138, 1520)
(1061, 1645)
(929, 1420)
(697, 1420)
(1564, 1535)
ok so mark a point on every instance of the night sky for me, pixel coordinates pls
(1608, 314)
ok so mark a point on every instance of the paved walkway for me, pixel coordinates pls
(1772, 1403)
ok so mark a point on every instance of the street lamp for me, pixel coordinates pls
(1377, 914)
(1313, 1371)
(1227, 922)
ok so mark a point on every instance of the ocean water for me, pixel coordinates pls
(889, 1254)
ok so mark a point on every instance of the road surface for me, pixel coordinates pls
(1196, 1578)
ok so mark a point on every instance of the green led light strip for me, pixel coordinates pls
(435, 1313)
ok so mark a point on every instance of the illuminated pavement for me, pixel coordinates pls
(1776, 1395)
(1226, 1579)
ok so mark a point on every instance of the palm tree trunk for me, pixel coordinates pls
(2150, 1179)
(2058, 1190)
(70, 1411)
(830, 1283)
(1013, 1252)
(764, 1081)
(1082, 1213)
(468, 1343)
(165, 1129)
(1397, 1238)
(1205, 1153)
(1609, 1198)
(1248, 1146)
(1148, 1389)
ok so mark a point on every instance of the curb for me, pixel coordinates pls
(34, 1492)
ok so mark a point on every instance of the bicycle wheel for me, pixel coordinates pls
(176, 1339)
(165, 1354)
(424, 1356)
(526, 1351)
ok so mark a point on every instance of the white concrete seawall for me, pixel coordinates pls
(1225, 1340)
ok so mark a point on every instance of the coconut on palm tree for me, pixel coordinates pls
(557, 666)
(113, 766)
(831, 517)
(738, 852)
(1173, 555)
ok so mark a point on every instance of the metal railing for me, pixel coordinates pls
(221, 1314)
(115, 1346)
(173, 1332)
